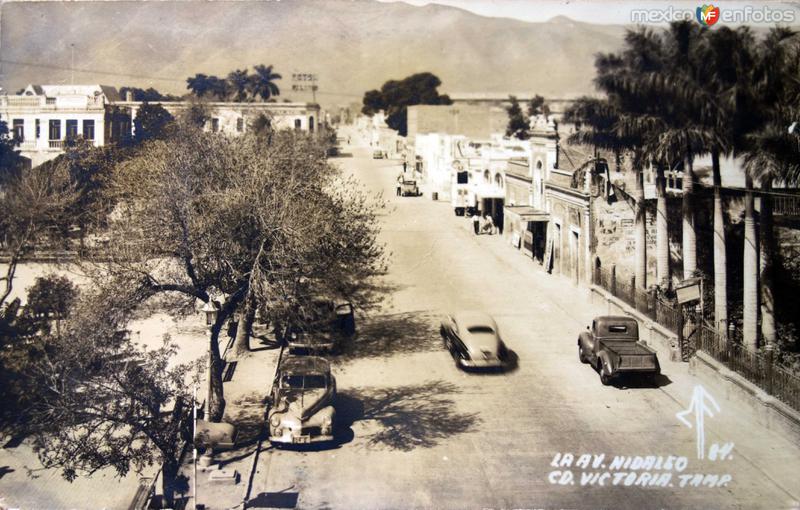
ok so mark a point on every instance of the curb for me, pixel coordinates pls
(666, 339)
(770, 412)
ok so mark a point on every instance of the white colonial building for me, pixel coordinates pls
(42, 117)
(235, 118)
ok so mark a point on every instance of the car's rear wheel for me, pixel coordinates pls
(605, 375)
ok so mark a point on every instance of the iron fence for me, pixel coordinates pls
(647, 303)
(756, 367)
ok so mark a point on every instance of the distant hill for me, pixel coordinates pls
(351, 45)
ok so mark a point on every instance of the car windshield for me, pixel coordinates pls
(299, 382)
(480, 329)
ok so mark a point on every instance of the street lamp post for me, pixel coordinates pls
(211, 311)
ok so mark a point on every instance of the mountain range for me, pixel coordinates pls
(351, 45)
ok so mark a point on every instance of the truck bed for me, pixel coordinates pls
(632, 355)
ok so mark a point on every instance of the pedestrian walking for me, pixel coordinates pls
(405, 165)
(476, 223)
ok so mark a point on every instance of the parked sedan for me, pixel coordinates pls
(473, 340)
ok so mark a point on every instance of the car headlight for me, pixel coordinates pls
(275, 420)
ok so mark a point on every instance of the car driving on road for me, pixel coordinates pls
(473, 340)
(302, 397)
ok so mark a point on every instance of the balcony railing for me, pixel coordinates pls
(56, 144)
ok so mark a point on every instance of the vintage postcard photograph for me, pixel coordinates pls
(399, 254)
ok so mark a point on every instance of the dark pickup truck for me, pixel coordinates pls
(612, 346)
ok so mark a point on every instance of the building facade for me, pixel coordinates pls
(235, 118)
(43, 118)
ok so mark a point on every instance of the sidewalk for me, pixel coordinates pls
(244, 396)
(775, 455)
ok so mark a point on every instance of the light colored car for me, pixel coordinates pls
(302, 398)
(377, 155)
(474, 341)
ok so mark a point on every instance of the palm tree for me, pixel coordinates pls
(728, 63)
(219, 88)
(262, 82)
(238, 82)
(625, 78)
(750, 268)
(598, 119)
(772, 154)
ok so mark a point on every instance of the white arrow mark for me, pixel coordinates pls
(698, 406)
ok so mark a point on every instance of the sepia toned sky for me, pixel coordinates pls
(603, 12)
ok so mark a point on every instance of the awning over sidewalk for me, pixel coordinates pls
(487, 191)
(527, 213)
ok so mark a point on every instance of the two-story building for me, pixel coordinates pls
(42, 118)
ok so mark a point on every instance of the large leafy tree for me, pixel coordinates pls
(9, 155)
(199, 85)
(537, 106)
(152, 122)
(100, 401)
(206, 218)
(395, 96)
(517, 123)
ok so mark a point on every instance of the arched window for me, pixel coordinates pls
(498, 180)
(311, 124)
(539, 164)
(487, 177)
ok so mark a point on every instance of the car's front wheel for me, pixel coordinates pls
(581, 356)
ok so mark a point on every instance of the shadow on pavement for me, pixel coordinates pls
(390, 334)
(4, 470)
(630, 382)
(246, 413)
(407, 417)
(283, 499)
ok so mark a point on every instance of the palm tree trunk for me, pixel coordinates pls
(750, 297)
(662, 233)
(689, 246)
(767, 244)
(720, 254)
(641, 240)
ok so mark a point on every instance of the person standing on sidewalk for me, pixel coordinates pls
(476, 223)
(488, 224)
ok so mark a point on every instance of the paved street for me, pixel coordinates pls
(418, 433)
